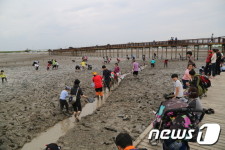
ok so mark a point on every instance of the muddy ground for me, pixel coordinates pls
(135, 98)
(29, 101)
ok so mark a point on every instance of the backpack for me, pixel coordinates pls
(205, 82)
(200, 86)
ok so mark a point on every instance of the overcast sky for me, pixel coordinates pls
(51, 24)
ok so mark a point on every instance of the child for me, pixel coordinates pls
(153, 63)
(36, 66)
(48, 66)
(3, 76)
(166, 63)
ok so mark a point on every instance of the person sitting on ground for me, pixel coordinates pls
(106, 77)
(196, 82)
(123, 141)
(3, 76)
(166, 63)
(105, 60)
(77, 92)
(190, 58)
(187, 77)
(97, 80)
(62, 99)
(178, 88)
(135, 68)
(194, 100)
(83, 64)
(153, 63)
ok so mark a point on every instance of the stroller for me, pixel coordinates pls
(176, 114)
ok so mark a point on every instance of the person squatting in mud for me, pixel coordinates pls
(3, 76)
(77, 92)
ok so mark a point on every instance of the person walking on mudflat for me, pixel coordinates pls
(135, 68)
(97, 80)
(106, 77)
(62, 99)
(77, 92)
(3, 76)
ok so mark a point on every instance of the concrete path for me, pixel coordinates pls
(216, 100)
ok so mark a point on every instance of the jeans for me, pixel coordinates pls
(184, 83)
(213, 69)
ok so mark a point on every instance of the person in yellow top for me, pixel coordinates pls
(83, 64)
(3, 76)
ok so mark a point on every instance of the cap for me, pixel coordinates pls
(94, 73)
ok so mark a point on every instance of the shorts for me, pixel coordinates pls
(98, 89)
(135, 73)
(77, 106)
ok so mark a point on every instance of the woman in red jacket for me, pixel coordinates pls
(207, 69)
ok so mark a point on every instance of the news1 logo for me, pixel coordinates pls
(211, 135)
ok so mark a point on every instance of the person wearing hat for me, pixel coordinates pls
(207, 69)
(97, 80)
(77, 91)
(62, 99)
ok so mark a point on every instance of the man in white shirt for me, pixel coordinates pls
(213, 62)
(178, 87)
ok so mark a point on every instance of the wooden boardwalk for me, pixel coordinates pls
(216, 100)
(161, 48)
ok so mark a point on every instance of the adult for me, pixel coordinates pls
(106, 77)
(207, 69)
(218, 62)
(135, 68)
(213, 63)
(178, 88)
(196, 82)
(97, 80)
(62, 99)
(77, 92)
(187, 77)
(124, 142)
(193, 99)
(190, 58)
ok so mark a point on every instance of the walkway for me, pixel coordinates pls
(215, 99)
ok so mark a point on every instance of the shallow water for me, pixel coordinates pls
(52, 134)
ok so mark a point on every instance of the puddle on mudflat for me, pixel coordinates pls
(52, 134)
